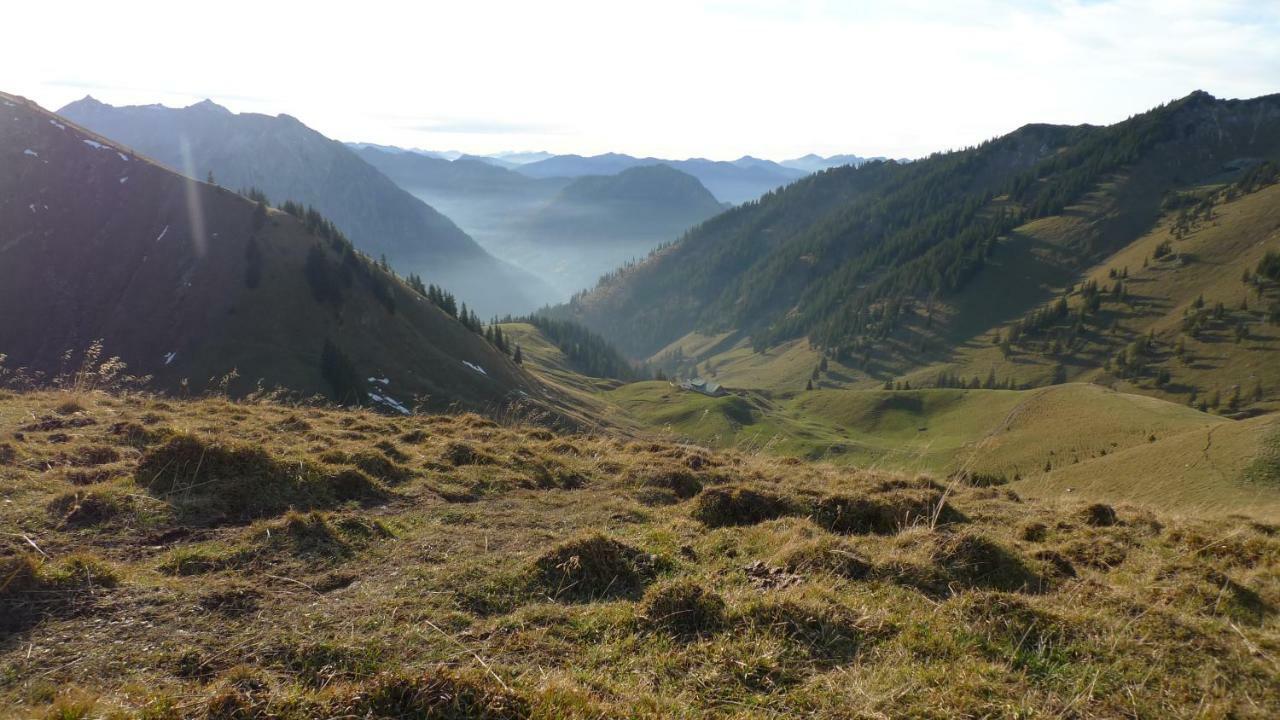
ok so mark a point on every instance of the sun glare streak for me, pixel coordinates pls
(195, 211)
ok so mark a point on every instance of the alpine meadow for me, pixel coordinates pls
(579, 360)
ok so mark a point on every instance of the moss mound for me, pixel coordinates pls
(684, 608)
(593, 567)
(735, 505)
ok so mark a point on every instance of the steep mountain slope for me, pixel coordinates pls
(889, 267)
(569, 232)
(734, 182)
(290, 161)
(190, 282)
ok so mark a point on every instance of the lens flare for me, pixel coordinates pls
(195, 211)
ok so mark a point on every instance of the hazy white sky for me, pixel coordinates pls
(675, 79)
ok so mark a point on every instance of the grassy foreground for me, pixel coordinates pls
(206, 558)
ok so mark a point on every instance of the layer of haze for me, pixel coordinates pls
(670, 79)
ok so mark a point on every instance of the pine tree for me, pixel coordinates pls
(518, 358)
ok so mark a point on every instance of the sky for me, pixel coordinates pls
(673, 79)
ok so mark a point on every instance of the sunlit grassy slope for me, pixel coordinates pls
(1000, 434)
(1213, 469)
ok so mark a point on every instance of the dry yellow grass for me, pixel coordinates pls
(451, 566)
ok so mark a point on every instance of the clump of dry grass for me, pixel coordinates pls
(31, 587)
(972, 559)
(8, 454)
(825, 555)
(593, 567)
(884, 513)
(1098, 515)
(461, 453)
(827, 632)
(435, 695)
(215, 481)
(731, 505)
(670, 483)
(91, 507)
(684, 608)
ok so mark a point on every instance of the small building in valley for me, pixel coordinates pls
(700, 385)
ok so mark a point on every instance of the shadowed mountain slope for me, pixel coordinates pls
(290, 161)
(189, 282)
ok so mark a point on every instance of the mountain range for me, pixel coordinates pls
(290, 161)
(203, 288)
(567, 231)
(1109, 253)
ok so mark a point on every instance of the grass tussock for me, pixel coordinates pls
(824, 555)
(31, 587)
(684, 608)
(216, 481)
(732, 505)
(593, 567)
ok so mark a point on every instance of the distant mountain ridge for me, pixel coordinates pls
(290, 161)
(569, 231)
(734, 182)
